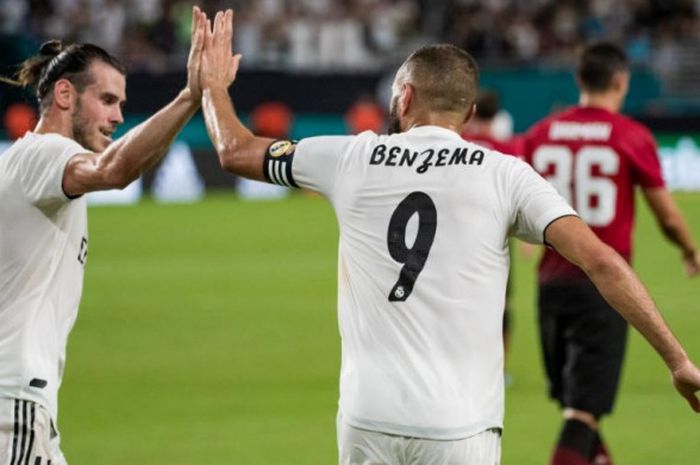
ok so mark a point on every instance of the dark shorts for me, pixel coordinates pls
(583, 341)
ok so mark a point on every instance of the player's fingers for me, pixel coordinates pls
(208, 36)
(195, 18)
(229, 25)
(219, 23)
(216, 30)
(198, 40)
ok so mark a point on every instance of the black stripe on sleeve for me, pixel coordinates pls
(31, 435)
(15, 437)
(277, 165)
(25, 431)
(23, 440)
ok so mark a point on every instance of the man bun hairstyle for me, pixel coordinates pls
(445, 77)
(30, 71)
(597, 65)
(57, 60)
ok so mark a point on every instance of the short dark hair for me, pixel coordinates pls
(487, 105)
(598, 63)
(446, 77)
(59, 61)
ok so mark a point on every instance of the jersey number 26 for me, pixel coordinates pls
(573, 178)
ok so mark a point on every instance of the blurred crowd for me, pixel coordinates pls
(153, 35)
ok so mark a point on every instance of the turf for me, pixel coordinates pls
(207, 334)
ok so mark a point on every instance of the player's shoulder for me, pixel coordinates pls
(50, 144)
(49, 138)
(621, 123)
(338, 145)
(547, 121)
(539, 131)
(631, 125)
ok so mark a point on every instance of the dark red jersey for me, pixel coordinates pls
(509, 147)
(594, 158)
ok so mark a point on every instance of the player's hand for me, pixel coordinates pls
(692, 263)
(687, 382)
(194, 61)
(219, 65)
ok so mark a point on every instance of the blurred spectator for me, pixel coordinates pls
(366, 34)
(272, 119)
(18, 119)
(365, 115)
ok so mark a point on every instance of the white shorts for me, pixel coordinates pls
(361, 447)
(27, 434)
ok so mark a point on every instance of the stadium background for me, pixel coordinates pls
(207, 330)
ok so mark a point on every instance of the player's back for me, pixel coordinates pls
(424, 219)
(595, 159)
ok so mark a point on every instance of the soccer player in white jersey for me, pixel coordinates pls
(424, 221)
(43, 227)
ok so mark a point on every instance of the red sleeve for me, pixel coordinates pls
(646, 167)
(528, 142)
(515, 146)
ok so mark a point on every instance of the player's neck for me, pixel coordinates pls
(606, 101)
(435, 119)
(52, 125)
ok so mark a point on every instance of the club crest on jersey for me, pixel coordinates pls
(280, 148)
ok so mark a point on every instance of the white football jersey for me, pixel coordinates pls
(424, 221)
(43, 248)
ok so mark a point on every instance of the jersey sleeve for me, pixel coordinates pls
(312, 163)
(536, 203)
(41, 168)
(646, 167)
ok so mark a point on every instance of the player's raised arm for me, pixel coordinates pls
(623, 290)
(239, 150)
(671, 221)
(123, 160)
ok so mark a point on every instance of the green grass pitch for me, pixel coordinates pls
(207, 334)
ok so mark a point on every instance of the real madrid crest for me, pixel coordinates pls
(281, 147)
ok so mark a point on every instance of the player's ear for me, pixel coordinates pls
(470, 113)
(63, 94)
(621, 81)
(406, 98)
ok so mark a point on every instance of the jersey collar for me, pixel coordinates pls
(433, 131)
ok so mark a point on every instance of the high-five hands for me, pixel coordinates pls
(219, 65)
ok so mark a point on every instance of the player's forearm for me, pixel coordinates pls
(226, 131)
(676, 230)
(144, 145)
(670, 219)
(623, 290)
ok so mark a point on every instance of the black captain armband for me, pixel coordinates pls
(277, 165)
